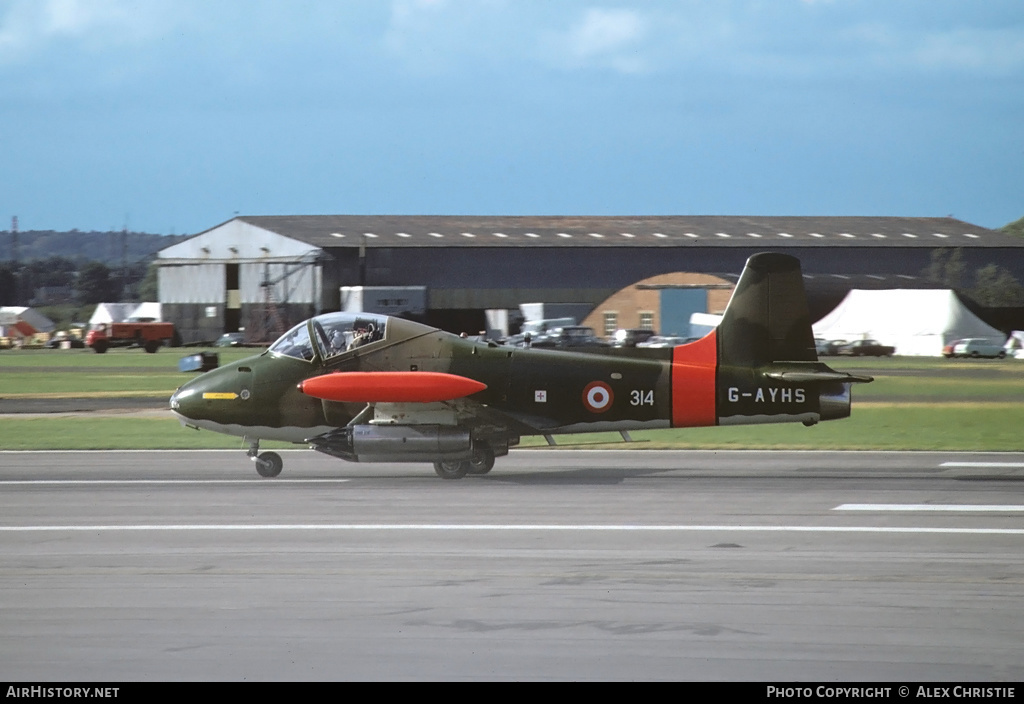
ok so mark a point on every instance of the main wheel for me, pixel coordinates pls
(483, 459)
(451, 470)
(269, 464)
(152, 346)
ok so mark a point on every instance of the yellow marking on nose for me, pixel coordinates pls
(221, 396)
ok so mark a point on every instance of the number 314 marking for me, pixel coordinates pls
(639, 397)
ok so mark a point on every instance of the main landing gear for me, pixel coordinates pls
(482, 462)
(268, 464)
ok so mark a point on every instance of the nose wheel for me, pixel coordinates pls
(268, 464)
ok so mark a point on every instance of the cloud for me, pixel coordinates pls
(604, 38)
(435, 36)
(443, 36)
(970, 49)
(30, 27)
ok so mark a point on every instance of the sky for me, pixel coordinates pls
(173, 116)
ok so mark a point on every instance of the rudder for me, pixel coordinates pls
(767, 319)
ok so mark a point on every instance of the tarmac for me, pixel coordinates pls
(40, 406)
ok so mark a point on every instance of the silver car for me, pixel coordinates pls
(979, 347)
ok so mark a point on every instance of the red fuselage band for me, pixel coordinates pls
(694, 367)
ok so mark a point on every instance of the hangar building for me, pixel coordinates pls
(265, 273)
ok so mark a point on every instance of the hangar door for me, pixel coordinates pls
(232, 299)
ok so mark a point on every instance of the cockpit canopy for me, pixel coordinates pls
(333, 334)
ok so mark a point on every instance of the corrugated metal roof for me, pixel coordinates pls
(601, 231)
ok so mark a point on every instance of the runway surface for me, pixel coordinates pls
(559, 565)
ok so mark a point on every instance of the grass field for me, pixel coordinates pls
(914, 404)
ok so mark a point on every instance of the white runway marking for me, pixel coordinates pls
(982, 464)
(89, 482)
(412, 527)
(998, 508)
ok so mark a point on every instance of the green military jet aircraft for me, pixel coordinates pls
(370, 388)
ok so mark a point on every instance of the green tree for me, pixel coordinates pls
(8, 285)
(52, 271)
(947, 267)
(1014, 228)
(996, 287)
(95, 284)
(148, 287)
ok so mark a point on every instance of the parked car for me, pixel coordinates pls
(977, 347)
(230, 339)
(631, 337)
(62, 340)
(569, 337)
(947, 350)
(827, 347)
(665, 341)
(866, 348)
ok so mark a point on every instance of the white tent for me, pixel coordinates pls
(120, 312)
(149, 309)
(1015, 344)
(23, 322)
(111, 313)
(915, 321)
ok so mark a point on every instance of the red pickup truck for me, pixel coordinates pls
(148, 335)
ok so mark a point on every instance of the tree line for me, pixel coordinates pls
(62, 280)
(47, 266)
(112, 248)
(991, 285)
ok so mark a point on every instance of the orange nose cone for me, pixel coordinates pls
(390, 387)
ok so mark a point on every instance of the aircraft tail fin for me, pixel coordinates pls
(767, 319)
(760, 365)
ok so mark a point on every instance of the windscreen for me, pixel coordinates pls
(295, 343)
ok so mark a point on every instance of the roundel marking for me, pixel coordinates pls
(597, 397)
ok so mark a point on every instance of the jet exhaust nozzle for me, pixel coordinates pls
(834, 400)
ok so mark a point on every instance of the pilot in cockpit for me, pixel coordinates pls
(338, 342)
(364, 335)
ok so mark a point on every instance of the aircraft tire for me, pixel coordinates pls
(483, 460)
(269, 464)
(451, 470)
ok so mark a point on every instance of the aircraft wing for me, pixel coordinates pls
(418, 396)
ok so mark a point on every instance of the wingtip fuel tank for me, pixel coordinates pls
(390, 387)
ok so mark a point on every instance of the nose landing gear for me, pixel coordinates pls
(268, 464)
